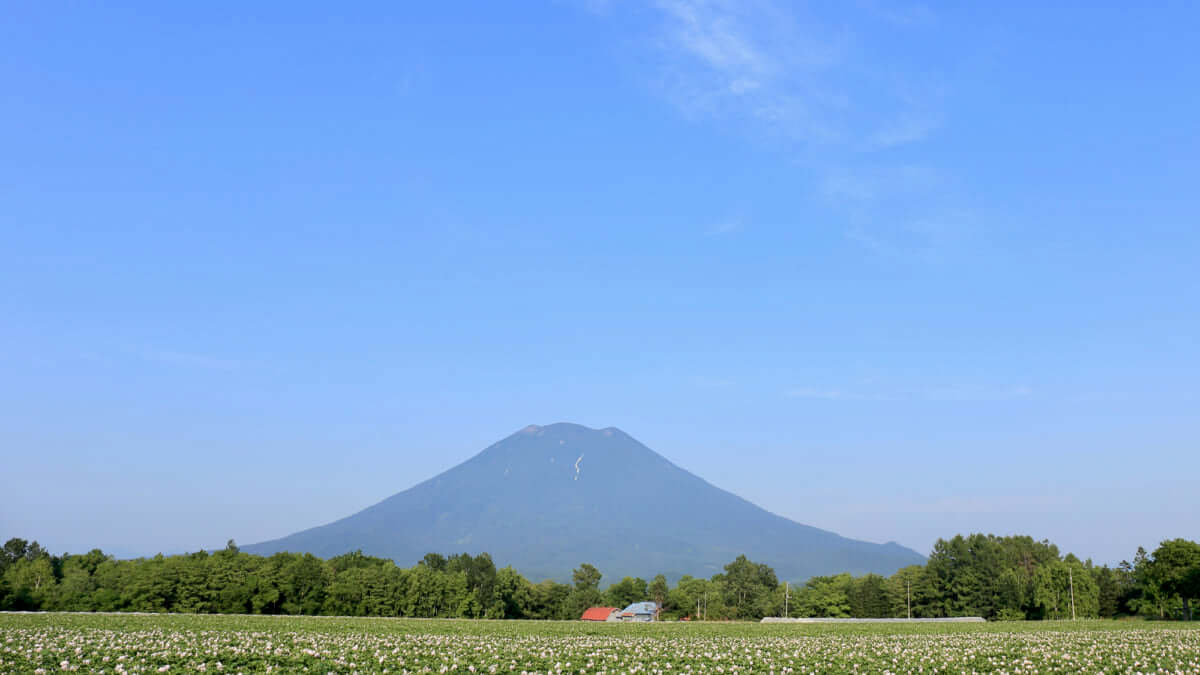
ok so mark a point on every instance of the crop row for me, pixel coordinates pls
(56, 648)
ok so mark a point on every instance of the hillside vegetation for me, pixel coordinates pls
(977, 575)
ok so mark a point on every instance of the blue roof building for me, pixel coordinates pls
(640, 611)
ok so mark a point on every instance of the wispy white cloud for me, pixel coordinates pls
(951, 393)
(928, 238)
(911, 127)
(707, 382)
(863, 186)
(976, 393)
(715, 35)
(901, 15)
(816, 89)
(787, 75)
(750, 63)
(191, 360)
(811, 392)
(833, 394)
(596, 6)
(828, 88)
(908, 212)
(724, 227)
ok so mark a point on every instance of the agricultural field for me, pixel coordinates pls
(33, 643)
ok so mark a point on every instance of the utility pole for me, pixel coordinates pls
(706, 605)
(1071, 580)
(787, 594)
(697, 608)
(908, 584)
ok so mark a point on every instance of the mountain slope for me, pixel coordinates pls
(546, 499)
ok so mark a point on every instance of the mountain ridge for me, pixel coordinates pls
(547, 498)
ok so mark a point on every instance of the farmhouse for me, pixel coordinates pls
(601, 614)
(640, 611)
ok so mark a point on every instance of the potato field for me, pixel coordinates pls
(109, 643)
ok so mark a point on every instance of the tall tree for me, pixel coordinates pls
(480, 572)
(514, 594)
(1147, 597)
(1176, 569)
(586, 592)
(659, 589)
(749, 588)
(626, 592)
(827, 597)
(911, 590)
(689, 597)
(434, 561)
(1065, 590)
(549, 600)
(31, 582)
(868, 597)
(586, 576)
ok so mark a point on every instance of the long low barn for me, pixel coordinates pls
(600, 614)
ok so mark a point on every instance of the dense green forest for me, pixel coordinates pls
(1005, 578)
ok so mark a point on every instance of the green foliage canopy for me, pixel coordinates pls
(977, 575)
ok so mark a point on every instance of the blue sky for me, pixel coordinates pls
(895, 270)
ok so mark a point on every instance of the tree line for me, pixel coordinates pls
(998, 578)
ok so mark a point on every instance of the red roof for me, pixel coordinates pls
(597, 613)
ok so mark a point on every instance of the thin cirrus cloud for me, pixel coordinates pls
(191, 360)
(724, 227)
(787, 76)
(909, 128)
(908, 211)
(953, 393)
(812, 89)
(708, 382)
(750, 64)
(833, 394)
(906, 16)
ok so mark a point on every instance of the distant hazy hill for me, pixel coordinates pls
(548, 498)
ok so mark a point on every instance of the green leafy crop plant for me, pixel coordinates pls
(194, 643)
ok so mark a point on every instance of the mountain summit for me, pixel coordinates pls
(548, 498)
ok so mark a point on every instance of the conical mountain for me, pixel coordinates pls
(548, 498)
